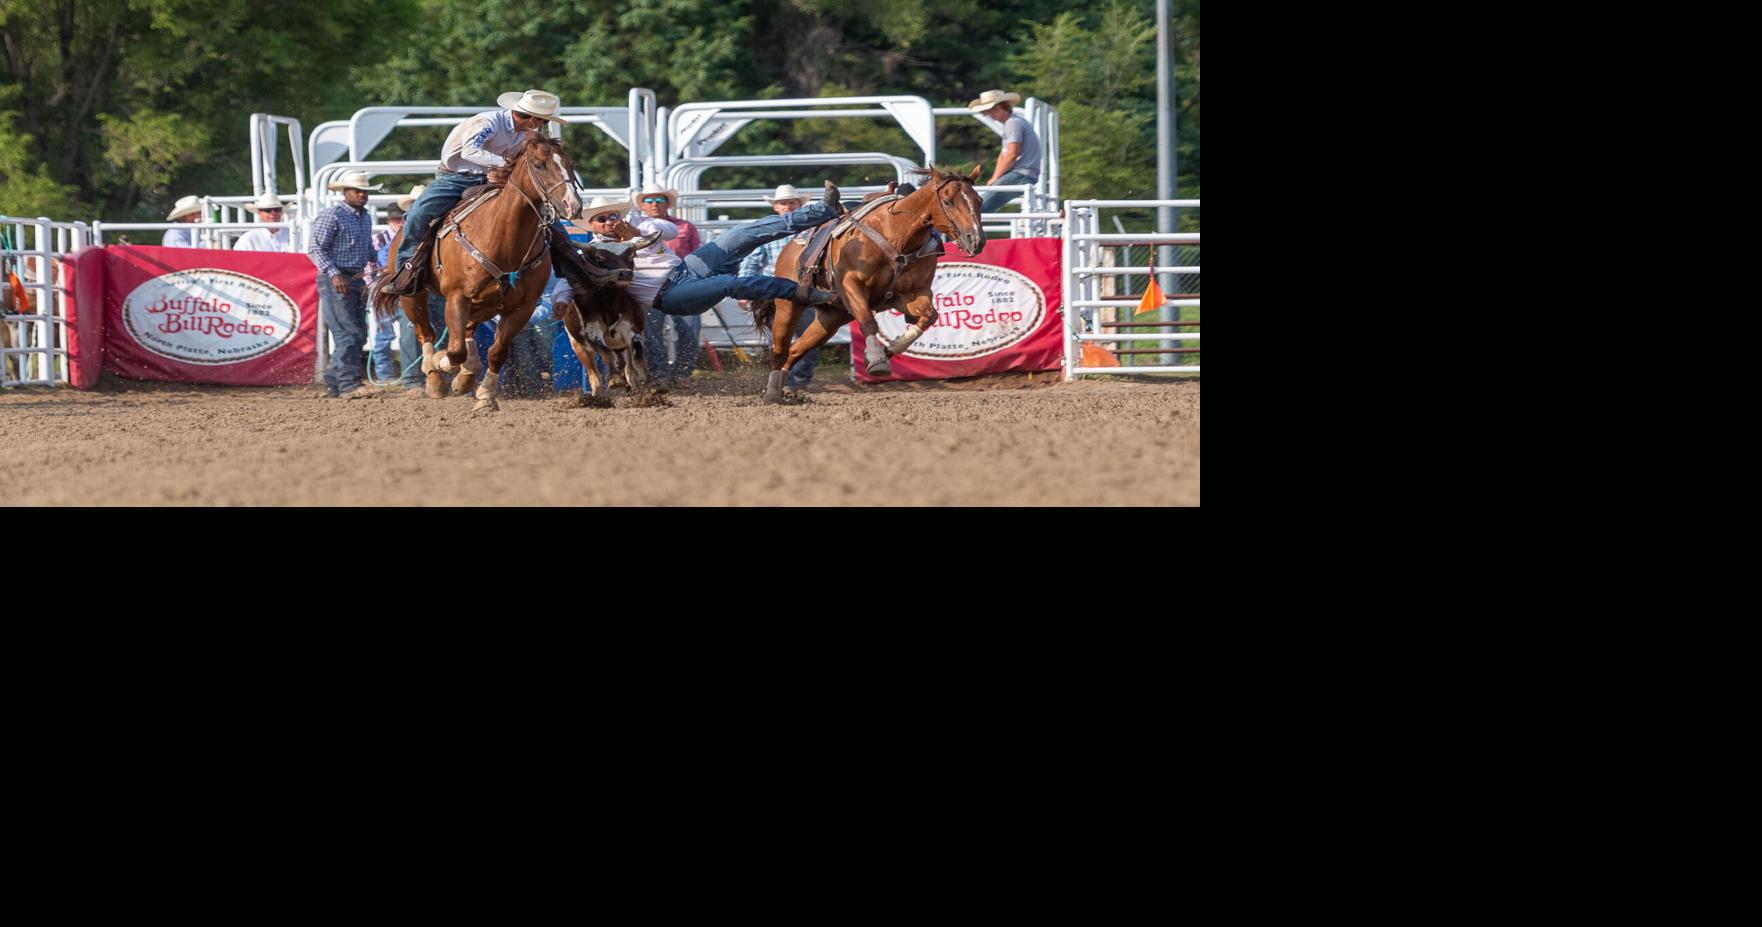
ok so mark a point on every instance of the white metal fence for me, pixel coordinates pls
(1093, 308)
(34, 349)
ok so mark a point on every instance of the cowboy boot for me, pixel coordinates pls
(814, 297)
(832, 200)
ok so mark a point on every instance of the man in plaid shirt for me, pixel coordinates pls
(342, 247)
(763, 261)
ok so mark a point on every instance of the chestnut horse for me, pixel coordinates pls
(870, 280)
(510, 233)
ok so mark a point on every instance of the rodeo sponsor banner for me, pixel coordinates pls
(245, 318)
(997, 311)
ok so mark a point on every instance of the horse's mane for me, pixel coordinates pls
(528, 139)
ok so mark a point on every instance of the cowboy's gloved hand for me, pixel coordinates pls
(340, 284)
(497, 175)
(624, 230)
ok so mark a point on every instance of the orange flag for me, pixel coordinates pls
(20, 295)
(1153, 298)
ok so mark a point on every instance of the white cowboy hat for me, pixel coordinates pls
(186, 205)
(533, 103)
(991, 98)
(409, 199)
(353, 180)
(600, 203)
(266, 201)
(787, 192)
(650, 189)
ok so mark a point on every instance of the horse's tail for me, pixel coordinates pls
(764, 310)
(385, 305)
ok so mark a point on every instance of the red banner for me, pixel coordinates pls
(244, 318)
(997, 311)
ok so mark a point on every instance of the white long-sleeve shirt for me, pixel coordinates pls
(653, 263)
(264, 240)
(479, 143)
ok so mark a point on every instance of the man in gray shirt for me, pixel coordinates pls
(1019, 162)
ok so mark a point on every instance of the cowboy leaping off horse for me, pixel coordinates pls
(474, 154)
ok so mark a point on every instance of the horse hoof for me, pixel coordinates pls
(464, 385)
(881, 369)
(436, 386)
(486, 405)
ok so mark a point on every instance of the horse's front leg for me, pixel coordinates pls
(921, 310)
(856, 301)
(512, 324)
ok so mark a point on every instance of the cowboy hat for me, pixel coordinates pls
(649, 189)
(394, 211)
(409, 199)
(991, 98)
(787, 192)
(266, 201)
(186, 205)
(353, 180)
(532, 103)
(601, 202)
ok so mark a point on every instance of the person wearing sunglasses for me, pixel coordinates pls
(268, 208)
(657, 202)
(687, 287)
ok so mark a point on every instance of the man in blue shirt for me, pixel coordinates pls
(188, 210)
(342, 247)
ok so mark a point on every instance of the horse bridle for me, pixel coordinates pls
(936, 194)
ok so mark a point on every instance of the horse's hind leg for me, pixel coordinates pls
(416, 311)
(821, 328)
(782, 332)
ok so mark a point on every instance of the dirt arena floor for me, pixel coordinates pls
(1010, 441)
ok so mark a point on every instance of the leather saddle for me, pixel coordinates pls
(812, 268)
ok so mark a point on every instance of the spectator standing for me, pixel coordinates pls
(657, 202)
(187, 210)
(1019, 161)
(342, 247)
(785, 200)
(268, 208)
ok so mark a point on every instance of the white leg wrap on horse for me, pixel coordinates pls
(428, 365)
(912, 333)
(774, 385)
(442, 362)
(875, 353)
(473, 361)
(487, 389)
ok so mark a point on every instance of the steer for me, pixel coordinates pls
(607, 319)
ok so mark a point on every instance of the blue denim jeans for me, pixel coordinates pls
(803, 371)
(993, 201)
(346, 318)
(385, 367)
(686, 331)
(410, 349)
(436, 201)
(690, 292)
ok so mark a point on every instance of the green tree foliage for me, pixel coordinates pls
(113, 108)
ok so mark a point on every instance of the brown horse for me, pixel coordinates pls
(870, 280)
(506, 237)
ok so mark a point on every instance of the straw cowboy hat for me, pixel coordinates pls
(186, 205)
(409, 199)
(533, 103)
(650, 189)
(602, 202)
(787, 192)
(353, 180)
(991, 98)
(266, 201)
